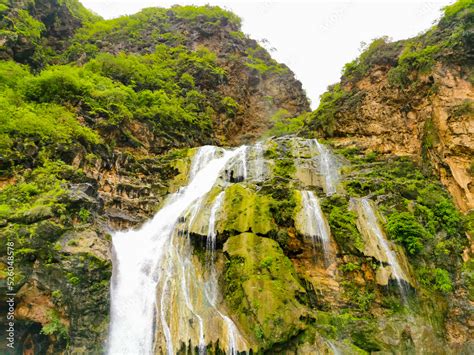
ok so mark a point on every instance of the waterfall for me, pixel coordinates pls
(315, 224)
(237, 170)
(211, 285)
(203, 156)
(328, 166)
(369, 223)
(333, 347)
(259, 162)
(156, 294)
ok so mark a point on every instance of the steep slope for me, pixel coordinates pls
(252, 87)
(412, 97)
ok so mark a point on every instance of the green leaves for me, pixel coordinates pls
(324, 116)
(437, 279)
(405, 229)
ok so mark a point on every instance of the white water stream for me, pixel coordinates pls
(316, 225)
(155, 293)
(368, 221)
(329, 168)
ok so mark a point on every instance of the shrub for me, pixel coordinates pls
(283, 123)
(55, 327)
(406, 230)
(356, 69)
(437, 279)
(324, 116)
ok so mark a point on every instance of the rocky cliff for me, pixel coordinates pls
(414, 98)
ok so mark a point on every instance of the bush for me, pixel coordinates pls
(437, 279)
(212, 14)
(283, 124)
(356, 69)
(324, 116)
(55, 327)
(406, 230)
(60, 85)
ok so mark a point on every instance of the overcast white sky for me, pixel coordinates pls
(314, 38)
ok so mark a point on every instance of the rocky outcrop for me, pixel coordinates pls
(413, 97)
(259, 86)
(264, 239)
(436, 129)
(32, 28)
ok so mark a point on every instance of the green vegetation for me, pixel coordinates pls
(370, 55)
(259, 59)
(437, 279)
(362, 299)
(55, 327)
(409, 63)
(405, 229)
(460, 7)
(343, 224)
(412, 60)
(261, 288)
(323, 118)
(244, 210)
(212, 14)
(463, 109)
(284, 124)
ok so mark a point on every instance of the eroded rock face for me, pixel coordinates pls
(430, 127)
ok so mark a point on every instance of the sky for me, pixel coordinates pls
(314, 38)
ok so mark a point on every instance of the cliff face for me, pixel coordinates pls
(415, 98)
(32, 30)
(436, 128)
(255, 85)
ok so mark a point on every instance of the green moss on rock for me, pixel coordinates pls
(245, 211)
(262, 289)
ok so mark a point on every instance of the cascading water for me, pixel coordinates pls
(259, 162)
(237, 167)
(211, 285)
(203, 156)
(368, 221)
(334, 349)
(154, 280)
(316, 225)
(328, 166)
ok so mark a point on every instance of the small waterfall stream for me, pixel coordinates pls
(211, 288)
(369, 223)
(328, 167)
(316, 225)
(237, 167)
(259, 162)
(154, 279)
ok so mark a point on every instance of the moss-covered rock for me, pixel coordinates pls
(262, 289)
(245, 210)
